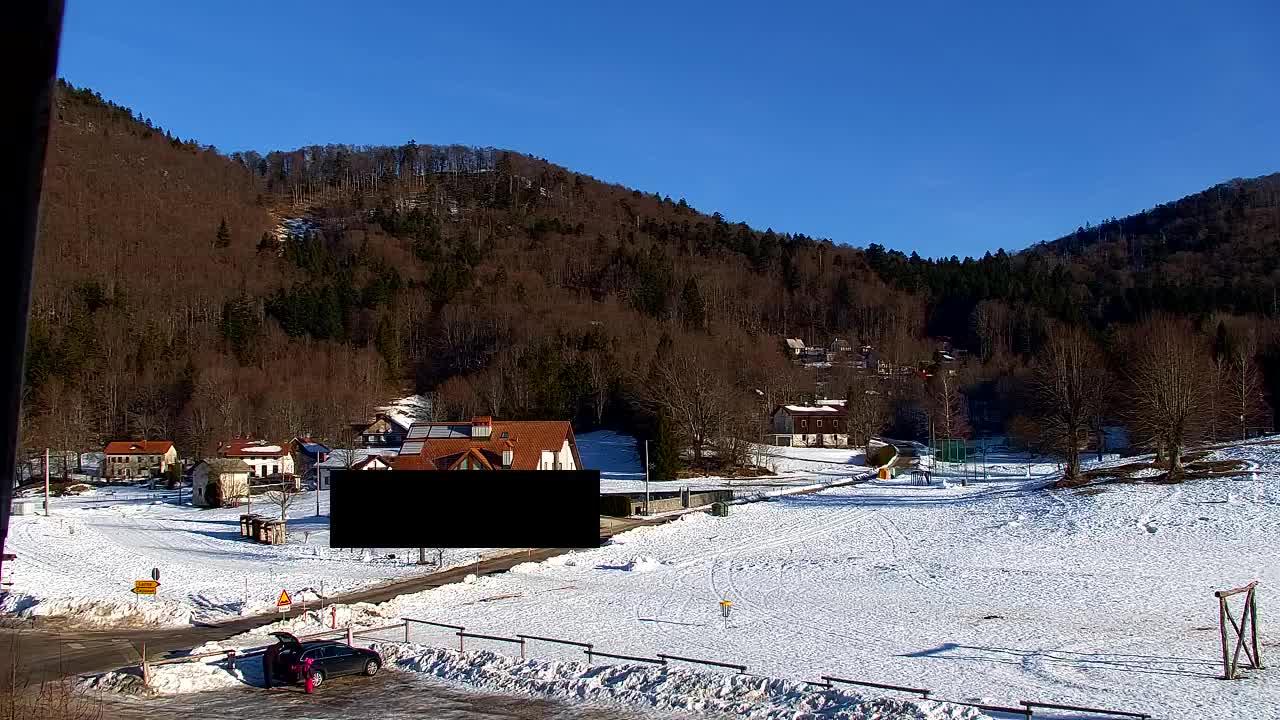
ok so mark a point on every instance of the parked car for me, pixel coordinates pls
(330, 658)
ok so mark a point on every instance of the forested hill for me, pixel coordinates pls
(182, 292)
(187, 293)
(1217, 251)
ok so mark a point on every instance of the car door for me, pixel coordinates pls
(320, 661)
(345, 659)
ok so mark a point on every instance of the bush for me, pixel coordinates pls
(173, 476)
(52, 700)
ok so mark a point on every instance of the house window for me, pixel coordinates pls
(275, 469)
(819, 423)
(804, 424)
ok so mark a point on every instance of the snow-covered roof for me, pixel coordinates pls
(795, 343)
(832, 402)
(337, 459)
(810, 408)
(251, 448)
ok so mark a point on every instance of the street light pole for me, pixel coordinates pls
(646, 478)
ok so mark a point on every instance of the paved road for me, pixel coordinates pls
(389, 696)
(47, 651)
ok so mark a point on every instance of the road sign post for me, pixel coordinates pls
(283, 603)
(145, 587)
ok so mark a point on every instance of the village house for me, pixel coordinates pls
(822, 425)
(230, 474)
(309, 454)
(794, 346)
(136, 458)
(264, 458)
(488, 444)
(386, 431)
(357, 459)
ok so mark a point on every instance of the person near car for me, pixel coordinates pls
(310, 675)
(269, 663)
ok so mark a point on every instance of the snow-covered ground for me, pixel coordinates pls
(623, 685)
(81, 562)
(998, 591)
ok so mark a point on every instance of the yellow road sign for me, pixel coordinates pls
(284, 600)
(145, 585)
(144, 590)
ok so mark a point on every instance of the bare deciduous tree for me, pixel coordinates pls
(947, 406)
(598, 370)
(867, 410)
(1167, 391)
(1069, 387)
(282, 498)
(697, 399)
(1244, 385)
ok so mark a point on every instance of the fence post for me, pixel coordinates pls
(1253, 612)
(349, 639)
(588, 653)
(522, 648)
(146, 669)
(406, 631)
(460, 641)
(1222, 632)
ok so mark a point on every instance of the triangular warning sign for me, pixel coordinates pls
(284, 599)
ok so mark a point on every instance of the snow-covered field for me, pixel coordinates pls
(997, 592)
(81, 562)
(622, 469)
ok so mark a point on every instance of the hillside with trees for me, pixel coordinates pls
(184, 292)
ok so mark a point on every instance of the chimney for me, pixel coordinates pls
(481, 426)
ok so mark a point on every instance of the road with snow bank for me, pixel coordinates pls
(393, 695)
(47, 652)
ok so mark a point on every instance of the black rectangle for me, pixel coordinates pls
(464, 509)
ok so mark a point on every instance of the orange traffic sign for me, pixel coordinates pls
(143, 590)
(284, 600)
(145, 585)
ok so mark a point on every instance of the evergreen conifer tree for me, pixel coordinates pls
(224, 234)
(664, 451)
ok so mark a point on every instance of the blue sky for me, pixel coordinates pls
(942, 127)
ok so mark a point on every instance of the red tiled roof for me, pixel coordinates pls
(527, 439)
(138, 447)
(242, 447)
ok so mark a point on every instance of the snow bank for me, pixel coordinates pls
(662, 688)
(178, 678)
(97, 612)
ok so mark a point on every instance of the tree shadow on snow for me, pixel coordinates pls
(1147, 664)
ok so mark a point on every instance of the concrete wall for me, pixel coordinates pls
(612, 505)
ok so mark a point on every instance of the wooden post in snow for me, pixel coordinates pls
(46, 482)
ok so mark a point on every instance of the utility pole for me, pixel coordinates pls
(646, 478)
(46, 482)
(317, 471)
